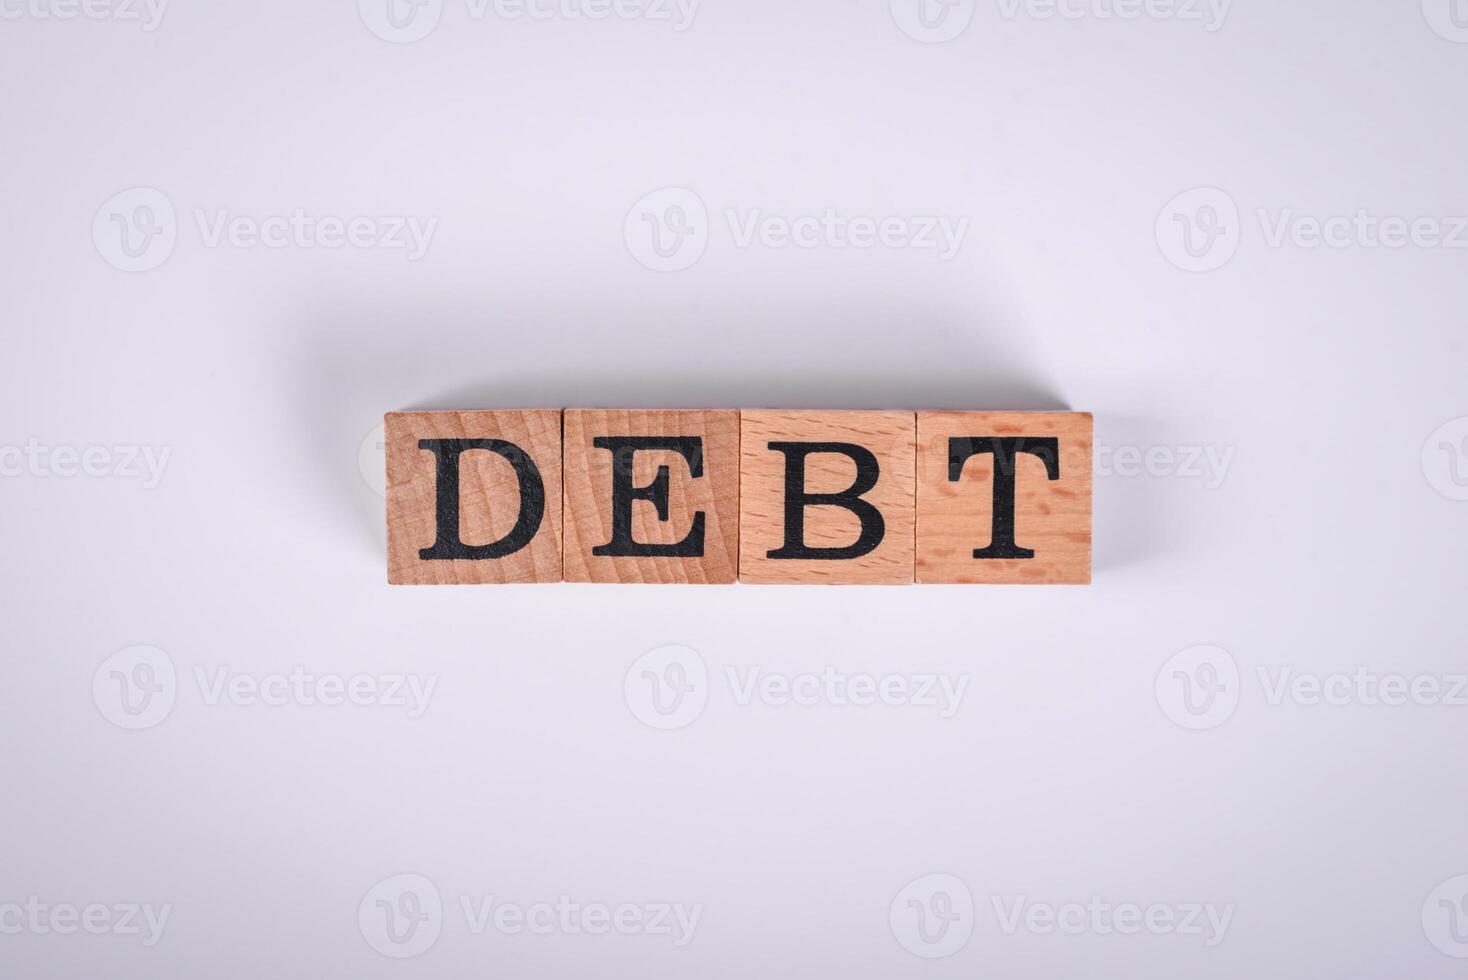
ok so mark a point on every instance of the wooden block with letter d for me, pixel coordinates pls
(826, 497)
(1004, 497)
(652, 496)
(473, 497)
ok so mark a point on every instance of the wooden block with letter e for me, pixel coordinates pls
(1004, 497)
(651, 496)
(473, 497)
(826, 497)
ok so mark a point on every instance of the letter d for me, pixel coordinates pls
(448, 545)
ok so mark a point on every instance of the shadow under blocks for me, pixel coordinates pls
(715, 496)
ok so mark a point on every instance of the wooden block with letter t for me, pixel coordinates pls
(826, 497)
(1004, 497)
(652, 496)
(473, 497)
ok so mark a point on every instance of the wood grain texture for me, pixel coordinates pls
(1052, 517)
(589, 471)
(889, 436)
(489, 496)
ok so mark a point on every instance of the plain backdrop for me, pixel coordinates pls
(1136, 186)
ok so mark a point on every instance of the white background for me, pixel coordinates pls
(1078, 764)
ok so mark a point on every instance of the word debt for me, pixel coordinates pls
(719, 496)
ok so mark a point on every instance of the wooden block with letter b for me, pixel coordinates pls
(826, 497)
(473, 497)
(1004, 497)
(652, 496)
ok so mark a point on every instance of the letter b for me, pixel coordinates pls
(797, 499)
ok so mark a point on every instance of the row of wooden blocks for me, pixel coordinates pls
(715, 496)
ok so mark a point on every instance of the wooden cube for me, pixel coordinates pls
(473, 497)
(652, 496)
(1004, 497)
(826, 497)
